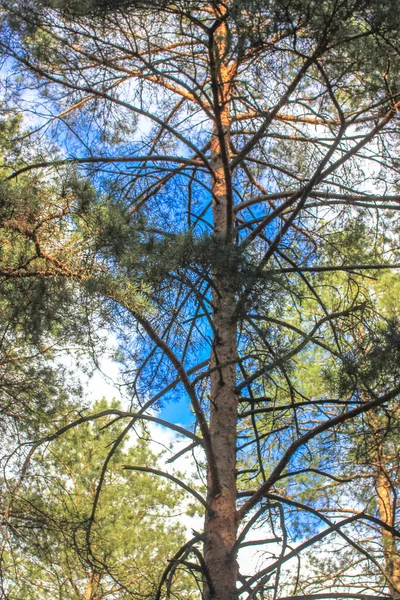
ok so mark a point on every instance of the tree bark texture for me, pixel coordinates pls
(386, 499)
(221, 522)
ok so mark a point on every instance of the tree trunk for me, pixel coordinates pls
(221, 525)
(92, 587)
(386, 514)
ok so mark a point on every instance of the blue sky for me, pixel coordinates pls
(177, 412)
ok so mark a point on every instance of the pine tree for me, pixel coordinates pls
(227, 145)
(48, 556)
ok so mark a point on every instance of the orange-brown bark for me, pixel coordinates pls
(221, 524)
(91, 587)
(385, 497)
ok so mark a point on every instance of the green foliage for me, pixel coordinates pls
(312, 342)
(134, 531)
(98, 8)
(32, 392)
(206, 254)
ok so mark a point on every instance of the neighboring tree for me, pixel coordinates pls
(32, 385)
(137, 522)
(364, 463)
(228, 144)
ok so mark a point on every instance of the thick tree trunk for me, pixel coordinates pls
(221, 525)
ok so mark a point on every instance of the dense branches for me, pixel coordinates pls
(244, 194)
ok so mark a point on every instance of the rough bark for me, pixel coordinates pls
(221, 523)
(385, 497)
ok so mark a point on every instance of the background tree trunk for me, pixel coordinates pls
(386, 509)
